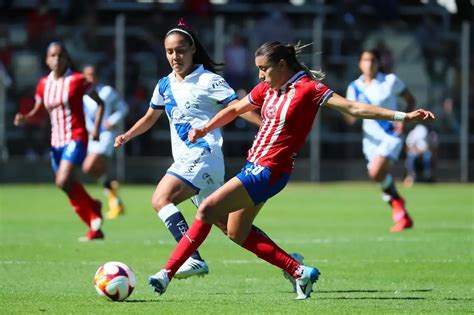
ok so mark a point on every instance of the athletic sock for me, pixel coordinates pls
(188, 244)
(261, 245)
(176, 224)
(79, 193)
(79, 203)
(388, 187)
(105, 181)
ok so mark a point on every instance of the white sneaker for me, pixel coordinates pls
(159, 281)
(192, 267)
(299, 258)
(304, 284)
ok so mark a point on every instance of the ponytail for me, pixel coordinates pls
(275, 51)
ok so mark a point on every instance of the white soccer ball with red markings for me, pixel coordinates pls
(114, 280)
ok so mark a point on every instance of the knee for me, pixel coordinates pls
(87, 168)
(158, 201)
(236, 236)
(63, 183)
(206, 213)
(375, 175)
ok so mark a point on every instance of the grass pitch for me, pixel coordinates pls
(340, 228)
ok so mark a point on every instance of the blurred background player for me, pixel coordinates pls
(100, 151)
(290, 96)
(421, 144)
(190, 96)
(61, 93)
(382, 139)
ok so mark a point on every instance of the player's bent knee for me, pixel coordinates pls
(236, 236)
(206, 213)
(375, 175)
(63, 183)
(159, 201)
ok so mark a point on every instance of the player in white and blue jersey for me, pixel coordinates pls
(189, 96)
(382, 140)
(100, 151)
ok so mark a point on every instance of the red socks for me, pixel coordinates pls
(256, 242)
(262, 246)
(82, 203)
(188, 244)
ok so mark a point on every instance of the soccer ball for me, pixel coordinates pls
(114, 280)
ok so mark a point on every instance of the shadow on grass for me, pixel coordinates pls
(142, 301)
(371, 291)
(372, 298)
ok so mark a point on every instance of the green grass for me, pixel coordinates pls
(340, 228)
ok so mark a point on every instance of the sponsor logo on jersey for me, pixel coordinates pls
(218, 83)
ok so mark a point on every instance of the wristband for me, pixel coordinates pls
(399, 116)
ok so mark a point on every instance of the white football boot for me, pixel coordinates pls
(304, 284)
(159, 281)
(192, 267)
(299, 258)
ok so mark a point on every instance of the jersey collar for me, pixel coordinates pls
(199, 69)
(298, 75)
(378, 77)
(68, 72)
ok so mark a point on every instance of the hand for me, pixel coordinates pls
(19, 120)
(398, 127)
(108, 125)
(95, 135)
(196, 133)
(419, 115)
(120, 140)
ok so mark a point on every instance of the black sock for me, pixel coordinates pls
(176, 224)
(388, 187)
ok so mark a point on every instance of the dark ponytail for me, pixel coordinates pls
(275, 51)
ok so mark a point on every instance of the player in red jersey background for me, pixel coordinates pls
(290, 97)
(61, 93)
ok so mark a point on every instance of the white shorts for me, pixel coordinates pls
(388, 147)
(201, 170)
(105, 145)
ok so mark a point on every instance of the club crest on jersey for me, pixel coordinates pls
(318, 85)
(270, 113)
(178, 117)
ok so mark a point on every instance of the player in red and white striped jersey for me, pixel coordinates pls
(61, 93)
(289, 97)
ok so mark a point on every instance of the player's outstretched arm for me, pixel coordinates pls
(21, 119)
(250, 116)
(367, 111)
(141, 126)
(222, 118)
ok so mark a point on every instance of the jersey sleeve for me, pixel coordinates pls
(220, 91)
(39, 95)
(398, 86)
(157, 101)
(257, 95)
(119, 108)
(321, 93)
(351, 94)
(82, 84)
